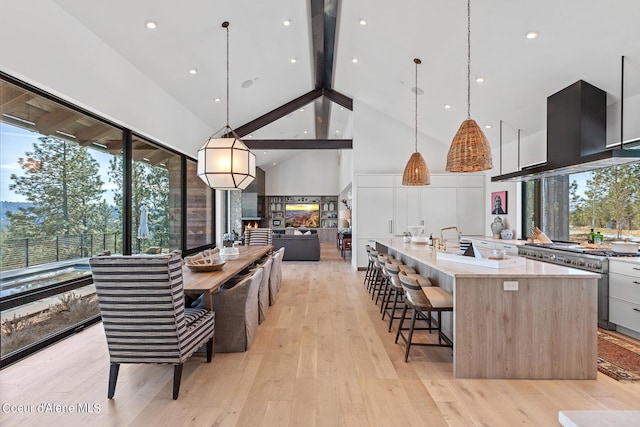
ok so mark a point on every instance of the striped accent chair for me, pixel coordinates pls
(141, 301)
(259, 236)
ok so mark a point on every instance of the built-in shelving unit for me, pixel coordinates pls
(276, 208)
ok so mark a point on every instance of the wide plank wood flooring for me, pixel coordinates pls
(323, 357)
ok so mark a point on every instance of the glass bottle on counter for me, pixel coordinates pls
(430, 239)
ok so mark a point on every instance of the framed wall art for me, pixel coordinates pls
(499, 203)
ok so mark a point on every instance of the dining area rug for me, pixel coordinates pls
(618, 357)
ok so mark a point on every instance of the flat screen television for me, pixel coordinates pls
(302, 215)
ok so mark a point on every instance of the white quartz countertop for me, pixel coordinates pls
(491, 239)
(427, 255)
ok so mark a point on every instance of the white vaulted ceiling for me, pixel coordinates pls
(578, 40)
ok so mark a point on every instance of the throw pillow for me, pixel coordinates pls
(297, 232)
(307, 232)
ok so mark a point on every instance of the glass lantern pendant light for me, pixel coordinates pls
(416, 172)
(224, 162)
(470, 150)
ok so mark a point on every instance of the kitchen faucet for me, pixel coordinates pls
(443, 242)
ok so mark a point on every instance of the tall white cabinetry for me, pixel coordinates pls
(374, 211)
(385, 208)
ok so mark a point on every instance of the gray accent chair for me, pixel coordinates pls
(141, 301)
(237, 315)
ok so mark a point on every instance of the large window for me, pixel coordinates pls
(568, 207)
(72, 185)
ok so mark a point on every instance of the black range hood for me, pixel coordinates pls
(576, 136)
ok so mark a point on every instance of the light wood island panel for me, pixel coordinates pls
(547, 329)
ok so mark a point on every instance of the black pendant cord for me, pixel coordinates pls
(468, 59)
(622, 104)
(416, 61)
(225, 25)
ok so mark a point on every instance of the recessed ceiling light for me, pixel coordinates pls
(488, 126)
(480, 79)
(354, 60)
(337, 131)
(294, 60)
(341, 108)
(150, 24)
(249, 136)
(193, 71)
(305, 132)
(286, 22)
(447, 106)
(363, 22)
(302, 110)
(217, 100)
(264, 152)
(532, 35)
(274, 163)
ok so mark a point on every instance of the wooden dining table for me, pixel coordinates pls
(198, 283)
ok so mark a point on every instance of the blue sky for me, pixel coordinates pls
(15, 142)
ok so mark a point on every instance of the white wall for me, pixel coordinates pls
(384, 145)
(77, 66)
(311, 172)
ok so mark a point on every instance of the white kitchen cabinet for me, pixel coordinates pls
(487, 244)
(374, 218)
(624, 294)
(406, 208)
(385, 208)
(438, 209)
(470, 210)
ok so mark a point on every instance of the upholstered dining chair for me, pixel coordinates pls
(142, 305)
(275, 278)
(237, 315)
(263, 291)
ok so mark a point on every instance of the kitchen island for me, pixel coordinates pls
(546, 329)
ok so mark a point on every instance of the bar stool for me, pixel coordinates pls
(395, 290)
(423, 300)
(371, 268)
(384, 281)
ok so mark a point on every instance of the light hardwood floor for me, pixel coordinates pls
(323, 357)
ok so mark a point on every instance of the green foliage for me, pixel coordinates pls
(62, 180)
(150, 187)
(610, 200)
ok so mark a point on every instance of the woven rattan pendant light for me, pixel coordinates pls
(470, 150)
(416, 172)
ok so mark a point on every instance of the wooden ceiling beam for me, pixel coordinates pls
(299, 144)
(278, 113)
(9, 103)
(56, 120)
(95, 133)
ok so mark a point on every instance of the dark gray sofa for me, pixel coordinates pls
(298, 248)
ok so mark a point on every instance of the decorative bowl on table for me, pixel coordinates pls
(229, 253)
(205, 265)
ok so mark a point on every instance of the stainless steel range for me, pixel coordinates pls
(573, 255)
